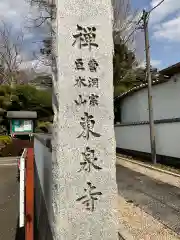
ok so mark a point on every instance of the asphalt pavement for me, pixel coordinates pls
(160, 200)
(8, 161)
(9, 195)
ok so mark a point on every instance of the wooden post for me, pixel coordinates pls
(29, 213)
(150, 103)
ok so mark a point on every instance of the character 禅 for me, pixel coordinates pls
(85, 37)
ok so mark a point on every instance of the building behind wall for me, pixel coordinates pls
(132, 115)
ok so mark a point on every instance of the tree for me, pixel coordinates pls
(43, 81)
(125, 62)
(123, 68)
(124, 21)
(47, 47)
(126, 75)
(47, 14)
(10, 54)
(25, 98)
(48, 7)
(5, 103)
(32, 99)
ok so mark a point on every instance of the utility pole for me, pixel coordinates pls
(145, 19)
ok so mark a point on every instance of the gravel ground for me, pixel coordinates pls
(149, 208)
(141, 225)
(166, 178)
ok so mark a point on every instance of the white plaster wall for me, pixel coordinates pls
(166, 102)
(137, 138)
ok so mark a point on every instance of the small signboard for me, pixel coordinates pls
(20, 126)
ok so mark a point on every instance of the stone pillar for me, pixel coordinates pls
(84, 173)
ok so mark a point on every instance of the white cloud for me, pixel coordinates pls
(169, 30)
(14, 11)
(165, 20)
(154, 63)
(19, 13)
(167, 8)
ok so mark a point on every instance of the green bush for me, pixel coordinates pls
(42, 127)
(5, 139)
(25, 98)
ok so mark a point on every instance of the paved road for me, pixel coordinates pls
(156, 198)
(8, 161)
(8, 199)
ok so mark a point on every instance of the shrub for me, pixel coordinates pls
(42, 127)
(5, 139)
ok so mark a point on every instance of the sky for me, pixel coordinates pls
(164, 31)
(18, 15)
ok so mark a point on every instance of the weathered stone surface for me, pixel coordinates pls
(84, 142)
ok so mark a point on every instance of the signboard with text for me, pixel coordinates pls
(20, 126)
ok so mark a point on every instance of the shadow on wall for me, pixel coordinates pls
(42, 224)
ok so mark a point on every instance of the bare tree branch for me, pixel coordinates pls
(125, 32)
(10, 53)
(45, 18)
(47, 12)
(124, 19)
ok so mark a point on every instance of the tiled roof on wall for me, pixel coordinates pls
(167, 72)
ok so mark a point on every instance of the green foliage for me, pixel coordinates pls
(45, 80)
(28, 98)
(123, 63)
(42, 127)
(126, 74)
(120, 89)
(47, 47)
(5, 139)
(25, 98)
(5, 92)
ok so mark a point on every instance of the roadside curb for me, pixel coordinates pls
(8, 165)
(9, 158)
(148, 166)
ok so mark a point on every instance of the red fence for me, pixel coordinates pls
(36, 219)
